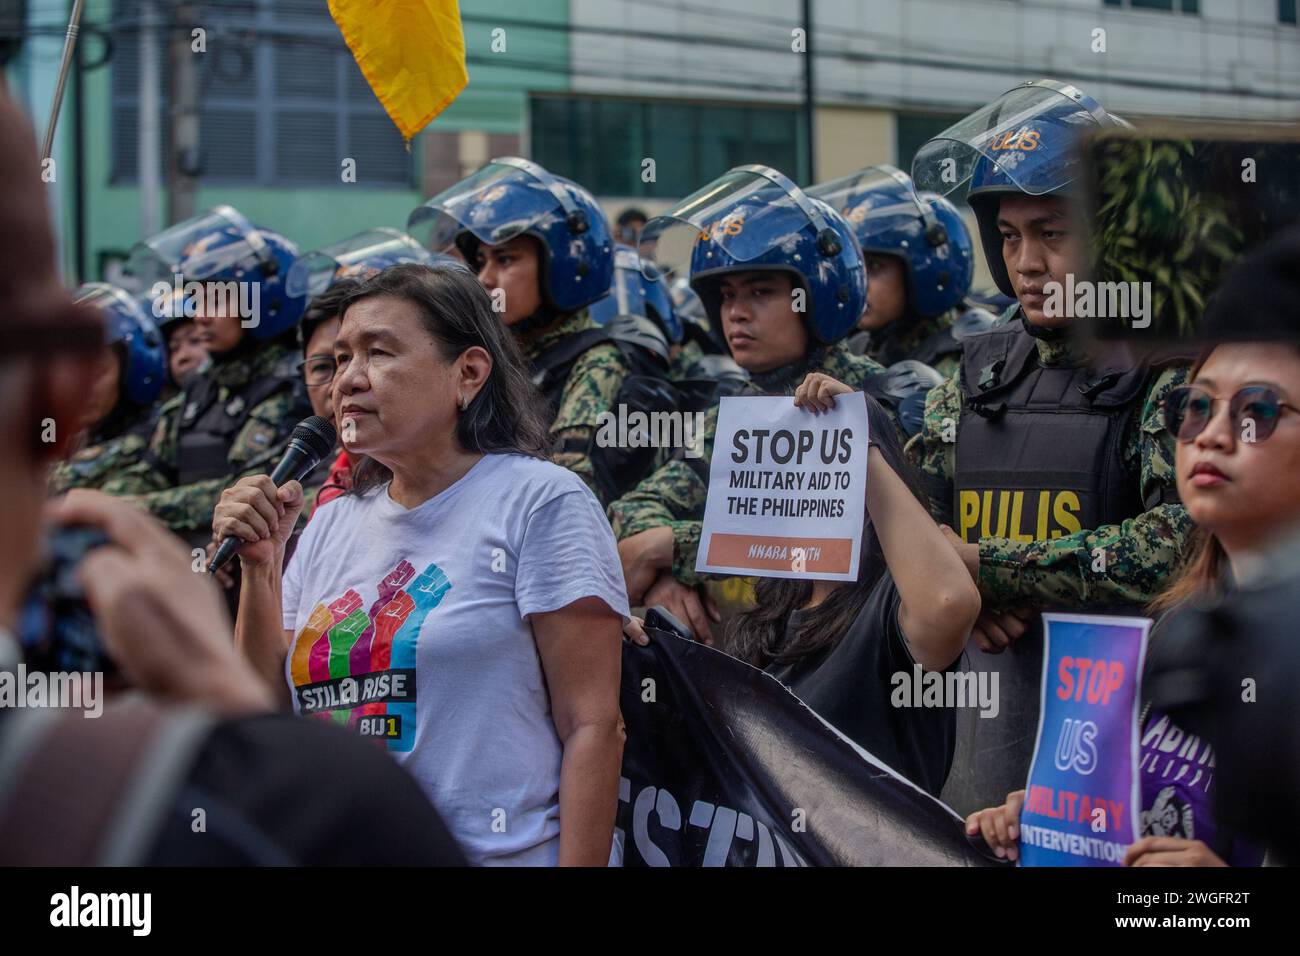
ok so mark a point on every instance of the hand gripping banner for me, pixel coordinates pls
(725, 767)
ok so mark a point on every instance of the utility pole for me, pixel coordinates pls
(808, 105)
(183, 145)
(147, 132)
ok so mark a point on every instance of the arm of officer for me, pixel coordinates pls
(672, 497)
(154, 468)
(1125, 563)
(592, 386)
(933, 450)
(254, 451)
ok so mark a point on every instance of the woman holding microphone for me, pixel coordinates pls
(461, 605)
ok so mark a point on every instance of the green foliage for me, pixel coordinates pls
(1154, 225)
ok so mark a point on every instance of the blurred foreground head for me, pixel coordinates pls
(47, 354)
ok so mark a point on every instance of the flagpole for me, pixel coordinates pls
(69, 45)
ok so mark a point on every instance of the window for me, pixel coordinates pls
(281, 101)
(602, 143)
(911, 130)
(1186, 6)
(1286, 11)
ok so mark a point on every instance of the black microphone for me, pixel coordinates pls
(312, 439)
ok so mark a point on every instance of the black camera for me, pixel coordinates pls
(55, 628)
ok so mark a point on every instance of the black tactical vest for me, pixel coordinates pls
(208, 427)
(1040, 449)
(1039, 456)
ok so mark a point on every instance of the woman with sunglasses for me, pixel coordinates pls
(1237, 465)
(1238, 470)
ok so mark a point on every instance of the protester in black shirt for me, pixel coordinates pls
(849, 650)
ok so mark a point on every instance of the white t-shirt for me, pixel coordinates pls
(410, 629)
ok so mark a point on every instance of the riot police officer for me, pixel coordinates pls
(120, 408)
(920, 261)
(783, 283)
(234, 419)
(1052, 462)
(542, 249)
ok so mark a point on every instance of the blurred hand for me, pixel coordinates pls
(164, 624)
(1000, 826)
(644, 555)
(686, 605)
(1170, 851)
(817, 392)
(995, 631)
(260, 515)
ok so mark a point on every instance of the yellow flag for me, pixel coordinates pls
(411, 52)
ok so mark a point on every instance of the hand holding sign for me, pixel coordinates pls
(786, 492)
(817, 392)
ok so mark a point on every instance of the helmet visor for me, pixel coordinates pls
(354, 257)
(208, 245)
(744, 213)
(873, 200)
(1030, 133)
(497, 203)
(104, 296)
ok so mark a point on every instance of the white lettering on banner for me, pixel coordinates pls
(724, 825)
(73, 908)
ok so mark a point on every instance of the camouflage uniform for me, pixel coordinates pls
(674, 495)
(257, 445)
(1140, 552)
(590, 388)
(690, 353)
(97, 462)
(900, 340)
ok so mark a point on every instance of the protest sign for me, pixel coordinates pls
(1081, 801)
(787, 489)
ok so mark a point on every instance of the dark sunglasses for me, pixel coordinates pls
(1189, 408)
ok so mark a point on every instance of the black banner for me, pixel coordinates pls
(725, 767)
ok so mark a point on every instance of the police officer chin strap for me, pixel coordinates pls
(1056, 334)
(539, 321)
(789, 376)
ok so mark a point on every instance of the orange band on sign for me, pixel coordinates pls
(770, 553)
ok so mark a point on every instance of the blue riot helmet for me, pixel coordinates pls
(357, 257)
(221, 246)
(632, 293)
(926, 231)
(1024, 142)
(754, 218)
(129, 326)
(512, 197)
